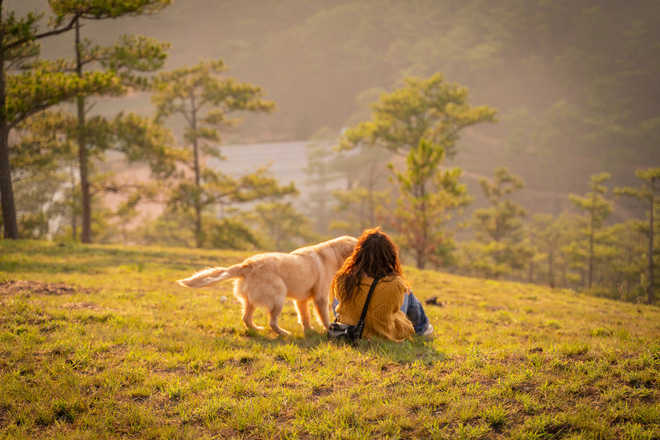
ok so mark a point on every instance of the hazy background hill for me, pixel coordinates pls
(575, 82)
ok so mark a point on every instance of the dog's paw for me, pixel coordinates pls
(281, 331)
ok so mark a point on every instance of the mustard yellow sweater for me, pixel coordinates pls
(384, 317)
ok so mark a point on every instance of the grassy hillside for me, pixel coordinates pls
(98, 342)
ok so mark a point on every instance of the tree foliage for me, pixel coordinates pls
(426, 200)
(104, 9)
(323, 171)
(647, 194)
(596, 209)
(48, 146)
(120, 66)
(32, 91)
(45, 85)
(547, 236)
(431, 109)
(503, 220)
(501, 247)
(366, 174)
(206, 100)
(280, 226)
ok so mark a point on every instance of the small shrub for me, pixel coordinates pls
(64, 411)
(496, 416)
(601, 332)
(574, 349)
(551, 323)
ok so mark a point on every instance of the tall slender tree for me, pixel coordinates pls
(130, 55)
(53, 138)
(26, 94)
(499, 228)
(647, 193)
(204, 98)
(321, 172)
(597, 208)
(426, 199)
(504, 218)
(420, 115)
(547, 235)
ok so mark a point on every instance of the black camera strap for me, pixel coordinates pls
(366, 305)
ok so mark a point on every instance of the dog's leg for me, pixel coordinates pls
(248, 311)
(276, 309)
(321, 306)
(302, 306)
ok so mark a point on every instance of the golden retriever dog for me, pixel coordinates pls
(266, 280)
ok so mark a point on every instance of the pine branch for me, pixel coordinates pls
(21, 41)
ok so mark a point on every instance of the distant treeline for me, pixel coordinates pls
(575, 82)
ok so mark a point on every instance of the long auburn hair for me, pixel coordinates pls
(375, 256)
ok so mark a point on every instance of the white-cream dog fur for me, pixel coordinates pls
(266, 280)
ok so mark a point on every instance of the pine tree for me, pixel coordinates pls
(366, 173)
(205, 99)
(124, 61)
(548, 237)
(22, 95)
(53, 138)
(647, 193)
(430, 109)
(597, 208)
(426, 199)
(499, 228)
(322, 172)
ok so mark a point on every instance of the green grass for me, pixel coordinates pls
(99, 342)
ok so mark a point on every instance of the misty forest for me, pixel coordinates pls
(509, 140)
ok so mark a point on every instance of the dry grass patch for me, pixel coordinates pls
(26, 287)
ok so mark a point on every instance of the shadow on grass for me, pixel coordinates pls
(416, 349)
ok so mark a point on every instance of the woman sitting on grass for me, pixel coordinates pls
(393, 313)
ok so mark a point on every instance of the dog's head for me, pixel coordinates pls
(333, 252)
(345, 246)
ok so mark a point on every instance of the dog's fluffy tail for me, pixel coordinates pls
(212, 276)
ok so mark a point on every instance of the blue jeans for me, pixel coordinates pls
(415, 312)
(411, 307)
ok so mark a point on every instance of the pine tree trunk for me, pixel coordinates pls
(198, 180)
(86, 198)
(591, 254)
(651, 296)
(371, 202)
(83, 157)
(551, 267)
(74, 221)
(421, 260)
(9, 223)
